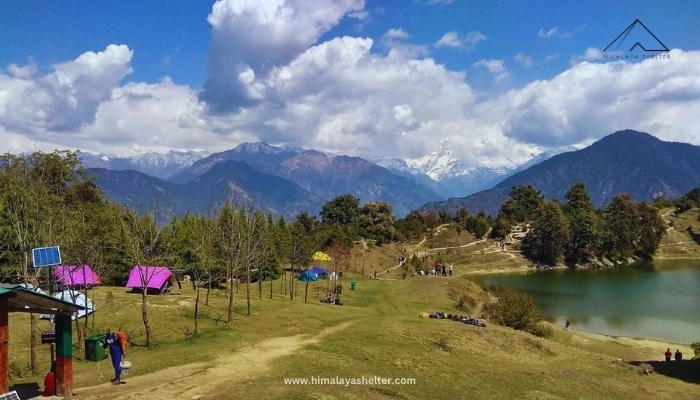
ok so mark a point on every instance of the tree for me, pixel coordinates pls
(342, 210)
(522, 204)
(146, 245)
(548, 236)
(431, 219)
(230, 246)
(340, 259)
(682, 206)
(461, 216)
(376, 221)
(477, 226)
(651, 230)
(300, 253)
(444, 217)
(622, 226)
(501, 229)
(584, 238)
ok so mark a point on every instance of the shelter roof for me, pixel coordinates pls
(21, 299)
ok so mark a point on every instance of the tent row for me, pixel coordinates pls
(72, 279)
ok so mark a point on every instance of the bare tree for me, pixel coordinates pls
(146, 245)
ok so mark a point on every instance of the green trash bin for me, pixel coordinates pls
(94, 347)
(352, 285)
(338, 289)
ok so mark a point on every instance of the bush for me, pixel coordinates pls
(696, 349)
(465, 303)
(518, 311)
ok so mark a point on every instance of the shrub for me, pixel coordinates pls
(519, 311)
(465, 303)
(696, 349)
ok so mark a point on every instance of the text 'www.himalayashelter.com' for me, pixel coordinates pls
(364, 380)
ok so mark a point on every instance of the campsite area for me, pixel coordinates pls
(377, 332)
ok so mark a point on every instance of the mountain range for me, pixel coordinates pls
(631, 162)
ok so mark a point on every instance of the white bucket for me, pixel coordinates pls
(126, 367)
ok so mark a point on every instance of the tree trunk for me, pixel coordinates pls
(196, 312)
(229, 319)
(259, 283)
(247, 286)
(144, 315)
(291, 282)
(271, 288)
(206, 301)
(306, 291)
(32, 348)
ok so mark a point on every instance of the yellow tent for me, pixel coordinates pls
(321, 256)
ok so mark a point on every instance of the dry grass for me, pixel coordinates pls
(682, 239)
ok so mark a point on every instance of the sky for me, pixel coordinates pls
(500, 81)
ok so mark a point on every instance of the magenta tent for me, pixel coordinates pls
(150, 277)
(72, 276)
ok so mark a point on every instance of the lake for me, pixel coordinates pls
(659, 300)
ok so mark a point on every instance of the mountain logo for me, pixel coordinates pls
(641, 38)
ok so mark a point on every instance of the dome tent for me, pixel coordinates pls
(77, 298)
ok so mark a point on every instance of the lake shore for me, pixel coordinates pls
(624, 347)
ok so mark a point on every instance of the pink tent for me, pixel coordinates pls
(71, 275)
(149, 276)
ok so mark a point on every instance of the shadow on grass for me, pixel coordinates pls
(693, 235)
(27, 390)
(684, 370)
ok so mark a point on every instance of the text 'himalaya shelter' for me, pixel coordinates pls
(15, 298)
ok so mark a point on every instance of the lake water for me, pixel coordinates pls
(659, 300)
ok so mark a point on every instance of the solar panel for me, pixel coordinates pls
(46, 257)
(10, 396)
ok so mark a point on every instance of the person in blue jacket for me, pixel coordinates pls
(116, 352)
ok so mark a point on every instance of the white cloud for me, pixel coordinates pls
(342, 95)
(547, 34)
(496, 67)
(262, 35)
(454, 40)
(555, 32)
(591, 54)
(524, 59)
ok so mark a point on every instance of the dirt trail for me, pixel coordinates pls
(195, 381)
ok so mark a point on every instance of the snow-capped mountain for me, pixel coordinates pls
(159, 165)
(546, 155)
(458, 177)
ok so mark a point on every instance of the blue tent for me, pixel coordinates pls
(308, 276)
(322, 273)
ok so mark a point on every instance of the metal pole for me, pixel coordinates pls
(51, 327)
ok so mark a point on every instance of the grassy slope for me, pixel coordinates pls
(678, 241)
(384, 337)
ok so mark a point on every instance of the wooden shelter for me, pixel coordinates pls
(16, 298)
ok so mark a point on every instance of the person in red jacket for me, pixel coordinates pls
(50, 382)
(668, 354)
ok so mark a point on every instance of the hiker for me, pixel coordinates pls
(668, 354)
(50, 382)
(116, 352)
(567, 325)
(679, 355)
(451, 269)
(337, 301)
(375, 274)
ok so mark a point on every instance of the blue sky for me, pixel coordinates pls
(171, 37)
(511, 84)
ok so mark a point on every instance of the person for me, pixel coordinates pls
(451, 265)
(568, 325)
(679, 355)
(50, 382)
(668, 354)
(337, 301)
(116, 352)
